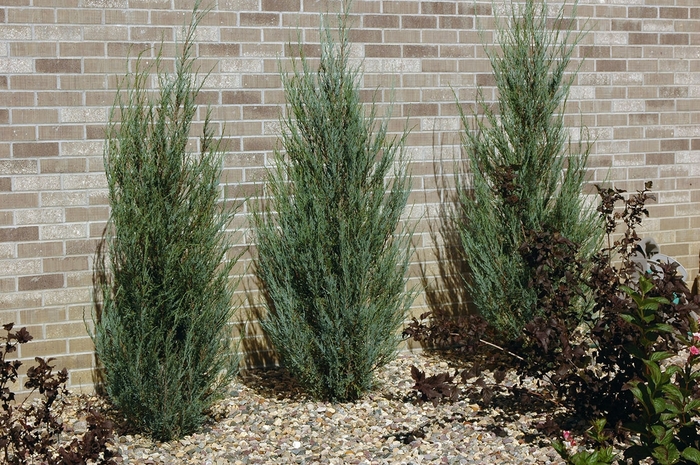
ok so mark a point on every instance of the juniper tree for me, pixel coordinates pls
(332, 255)
(524, 176)
(162, 330)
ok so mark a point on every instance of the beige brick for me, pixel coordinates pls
(61, 132)
(280, 5)
(81, 246)
(33, 49)
(53, 265)
(39, 216)
(67, 331)
(63, 231)
(402, 7)
(39, 249)
(7, 285)
(18, 200)
(20, 300)
(66, 296)
(50, 99)
(38, 348)
(84, 181)
(19, 267)
(64, 198)
(259, 19)
(83, 344)
(16, 33)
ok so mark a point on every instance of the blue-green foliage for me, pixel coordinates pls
(332, 256)
(162, 332)
(522, 175)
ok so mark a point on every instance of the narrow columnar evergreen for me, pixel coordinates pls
(162, 329)
(523, 174)
(332, 256)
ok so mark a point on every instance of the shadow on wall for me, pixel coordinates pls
(99, 279)
(256, 347)
(446, 293)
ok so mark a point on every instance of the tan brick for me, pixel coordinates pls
(53, 265)
(18, 200)
(49, 99)
(281, 5)
(625, 25)
(674, 145)
(38, 348)
(383, 21)
(18, 99)
(67, 331)
(58, 65)
(81, 246)
(418, 22)
(420, 51)
(402, 7)
(20, 300)
(7, 285)
(642, 12)
(673, 13)
(33, 49)
(82, 344)
(61, 132)
(659, 158)
(40, 282)
(34, 115)
(456, 22)
(61, 165)
(259, 19)
(39, 249)
(78, 16)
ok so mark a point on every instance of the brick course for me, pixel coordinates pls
(638, 93)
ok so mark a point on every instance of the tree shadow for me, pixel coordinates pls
(443, 278)
(100, 279)
(257, 348)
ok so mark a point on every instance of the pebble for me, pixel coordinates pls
(267, 419)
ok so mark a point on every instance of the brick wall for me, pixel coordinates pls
(638, 91)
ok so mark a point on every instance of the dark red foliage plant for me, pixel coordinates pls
(588, 358)
(29, 431)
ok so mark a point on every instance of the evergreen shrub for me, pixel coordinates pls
(162, 329)
(332, 251)
(524, 177)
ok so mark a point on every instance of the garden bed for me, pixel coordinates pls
(267, 419)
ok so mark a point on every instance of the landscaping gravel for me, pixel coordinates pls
(268, 420)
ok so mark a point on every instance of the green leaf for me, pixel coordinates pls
(629, 291)
(637, 452)
(561, 449)
(664, 328)
(673, 393)
(692, 454)
(692, 406)
(635, 351)
(645, 285)
(666, 454)
(661, 355)
(654, 371)
(659, 405)
(636, 427)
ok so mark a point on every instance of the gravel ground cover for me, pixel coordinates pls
(268, 420)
